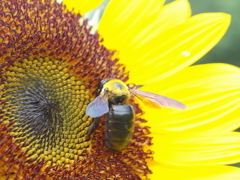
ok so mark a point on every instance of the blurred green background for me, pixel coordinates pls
(228, 49)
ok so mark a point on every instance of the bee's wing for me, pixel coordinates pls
(98, 107)
(156, 101)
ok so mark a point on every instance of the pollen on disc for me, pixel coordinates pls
(46, 104)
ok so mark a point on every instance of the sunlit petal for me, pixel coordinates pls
(176, 48)
(141, 29)
(211, 94)
(217, 172)
(121, 18)
(197, 148)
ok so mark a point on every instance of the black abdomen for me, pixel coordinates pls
(120, 123)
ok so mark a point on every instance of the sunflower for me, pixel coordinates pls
(51, 64)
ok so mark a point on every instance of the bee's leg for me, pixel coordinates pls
(93, 126)
(110, 107)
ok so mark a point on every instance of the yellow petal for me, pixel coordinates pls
(141, 30)
(197, 149)
(211, 92)
(160, 54)
(176, 48)
(120, 17)
(171, 15)
(82, 6)
(218, 172)
(226, 123)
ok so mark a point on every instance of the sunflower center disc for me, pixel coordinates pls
(46, 105)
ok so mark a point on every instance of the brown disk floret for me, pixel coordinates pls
(50, 65)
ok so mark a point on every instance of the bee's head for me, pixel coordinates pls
(117, 91)
(101, 84)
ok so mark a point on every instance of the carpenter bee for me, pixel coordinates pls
(112, 98)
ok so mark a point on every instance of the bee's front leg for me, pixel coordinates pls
(93, 126)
